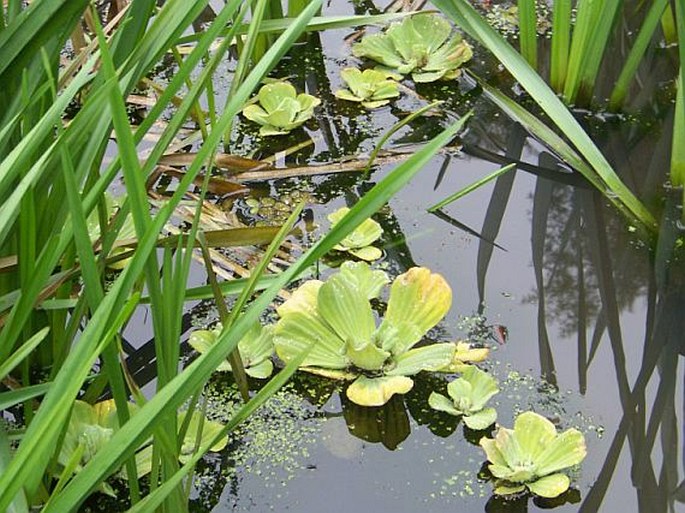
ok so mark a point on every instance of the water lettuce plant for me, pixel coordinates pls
(421, 45)
(468, 396)
(358, 243)
(255, 348)
(532, 455)
(91, 427)
(336, 316)
(279, 109)
(372, 88)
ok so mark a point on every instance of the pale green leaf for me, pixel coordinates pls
(298, 330)
(272, 95)
(261, 370)
(368, 357)
(345, 94)
(481, 420)
(365, 234)
(550, 486)
(442, 403)
(567, 450)
(347, 311)
(492, 452)
(417, 297)
(304, 299)
(379, 48)
(367, 253)
(506, 489)
(426, 358)
(367, 281)
(534, 433)
(377, 391)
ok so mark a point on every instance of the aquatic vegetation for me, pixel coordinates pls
(274, 211)
(91, 427)
(421, 45)
(337, 317)
(372, 88)
(465, 354)
(532, 455)
(505, 18)
(279, 109)
(468, 396)
(358, 243)
(126, 232)
(255, 348)
(198, 430)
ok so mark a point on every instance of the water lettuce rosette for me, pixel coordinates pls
(420, 45)
(372, 88)
(92, 426)
(279, 109)
(532, 455)
(467, 397)
(336, 317)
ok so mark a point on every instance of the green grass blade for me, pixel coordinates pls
(528, 31)
(558, 145)
(644, 37)
(678, 148)
(471, 21)
(14, 397)
(586, 19)
(387, 135)
(316, 24)
(472, 187)
(19, 505)
(22, 352)
(23, 38)
(51, 416)
(668, 26)
(561, 42)
(596, 49)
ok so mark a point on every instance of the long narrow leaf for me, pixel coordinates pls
(644, 37)
(472, 187)
(22, 352)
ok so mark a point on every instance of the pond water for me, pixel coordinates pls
(558, 285)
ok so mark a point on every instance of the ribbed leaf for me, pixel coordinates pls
(377, 391)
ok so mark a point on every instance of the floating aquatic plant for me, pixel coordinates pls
(358, 243)
(337, 317)
(468, 396)
(532, 456)
(279, 109)
(255, 348)
(421, 45)
(91, 426)
(372, 88)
